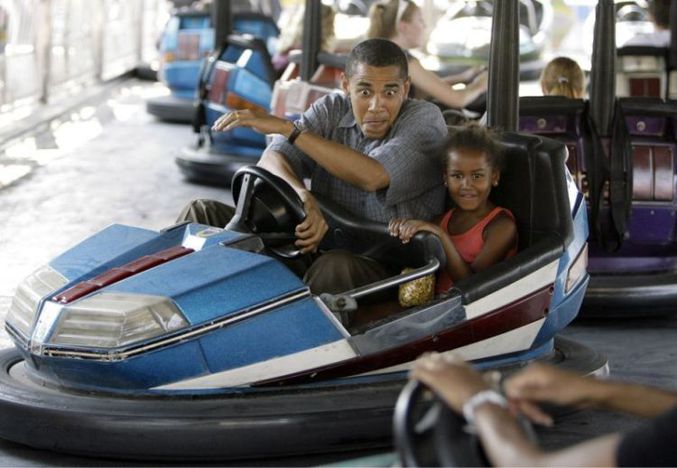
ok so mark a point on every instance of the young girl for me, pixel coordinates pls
(476, 233)
(563, 77)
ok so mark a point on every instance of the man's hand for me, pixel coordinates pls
(312, 230)
(450, 377)
(540, 383)
(259, 120)
(544, 383)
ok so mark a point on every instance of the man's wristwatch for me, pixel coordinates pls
(485, 396)
(298, 129)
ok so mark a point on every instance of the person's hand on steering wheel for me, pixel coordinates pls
(311, 231)
(450, 377)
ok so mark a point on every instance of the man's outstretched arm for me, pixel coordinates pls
(339, 160)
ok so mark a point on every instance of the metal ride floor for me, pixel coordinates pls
(106, 160)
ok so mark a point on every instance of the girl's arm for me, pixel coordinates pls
(438, 89)
(465, 76)
(405, 229)
(500, 236)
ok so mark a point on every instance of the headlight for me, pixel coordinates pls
(37, 285)
(577, 269)
(110, 320)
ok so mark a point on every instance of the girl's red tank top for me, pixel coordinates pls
(469, 244)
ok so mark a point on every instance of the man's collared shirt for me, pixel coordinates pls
(409, 153)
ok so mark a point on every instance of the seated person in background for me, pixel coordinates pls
(461, 387)
(291, 35)
(475, 233)
(370, 149)
(401, 21)
(563, 77)
(659, 12)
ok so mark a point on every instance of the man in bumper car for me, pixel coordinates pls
(369, 149)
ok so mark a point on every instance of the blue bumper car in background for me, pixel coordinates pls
(188, 39)
(240, 75)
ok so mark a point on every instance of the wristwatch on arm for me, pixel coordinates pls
(298, 129)
(481, 398)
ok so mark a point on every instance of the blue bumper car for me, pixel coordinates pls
(187, 40)
(199, 343)
(239, 76)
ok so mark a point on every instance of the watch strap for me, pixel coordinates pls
(297, 130)
(480, 398)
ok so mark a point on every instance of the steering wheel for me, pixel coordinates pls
(429, 433)
(268, 207)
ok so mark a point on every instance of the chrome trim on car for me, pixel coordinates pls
(118, 355)
(429, 268)
(19, 339)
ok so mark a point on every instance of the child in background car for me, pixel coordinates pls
(475, 234)
(563, 77)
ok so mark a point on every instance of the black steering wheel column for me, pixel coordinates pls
(268, 207)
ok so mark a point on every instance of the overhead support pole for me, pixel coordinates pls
(673, 36)
(603, 76)
(312, 35)
(503, 87)
(43, 47)
(222, 21)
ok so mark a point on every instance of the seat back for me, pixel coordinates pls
(563, 119)
(652, 126)
(533, 188)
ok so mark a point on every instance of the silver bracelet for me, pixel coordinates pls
(485, 396)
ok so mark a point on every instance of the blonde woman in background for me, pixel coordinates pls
(401, 21)
(563, 77)
(292, 35)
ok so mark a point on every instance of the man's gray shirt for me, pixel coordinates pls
(408, 153)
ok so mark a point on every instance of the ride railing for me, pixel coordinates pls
(50, 46)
